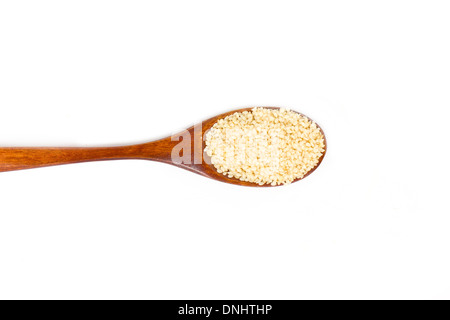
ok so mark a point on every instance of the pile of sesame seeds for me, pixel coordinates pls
(265, 146)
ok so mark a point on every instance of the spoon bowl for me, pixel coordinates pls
(188, 145)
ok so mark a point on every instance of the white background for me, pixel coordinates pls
(372, 222)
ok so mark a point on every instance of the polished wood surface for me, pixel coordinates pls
(14, 158)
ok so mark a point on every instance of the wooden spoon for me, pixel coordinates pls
(16, 158)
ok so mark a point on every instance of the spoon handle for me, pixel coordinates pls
(18, 158)
(27, 158)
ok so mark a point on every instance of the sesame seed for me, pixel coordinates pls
(265, 146)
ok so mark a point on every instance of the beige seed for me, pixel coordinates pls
(265, 146)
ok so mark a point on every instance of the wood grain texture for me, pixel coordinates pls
(13, 158)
